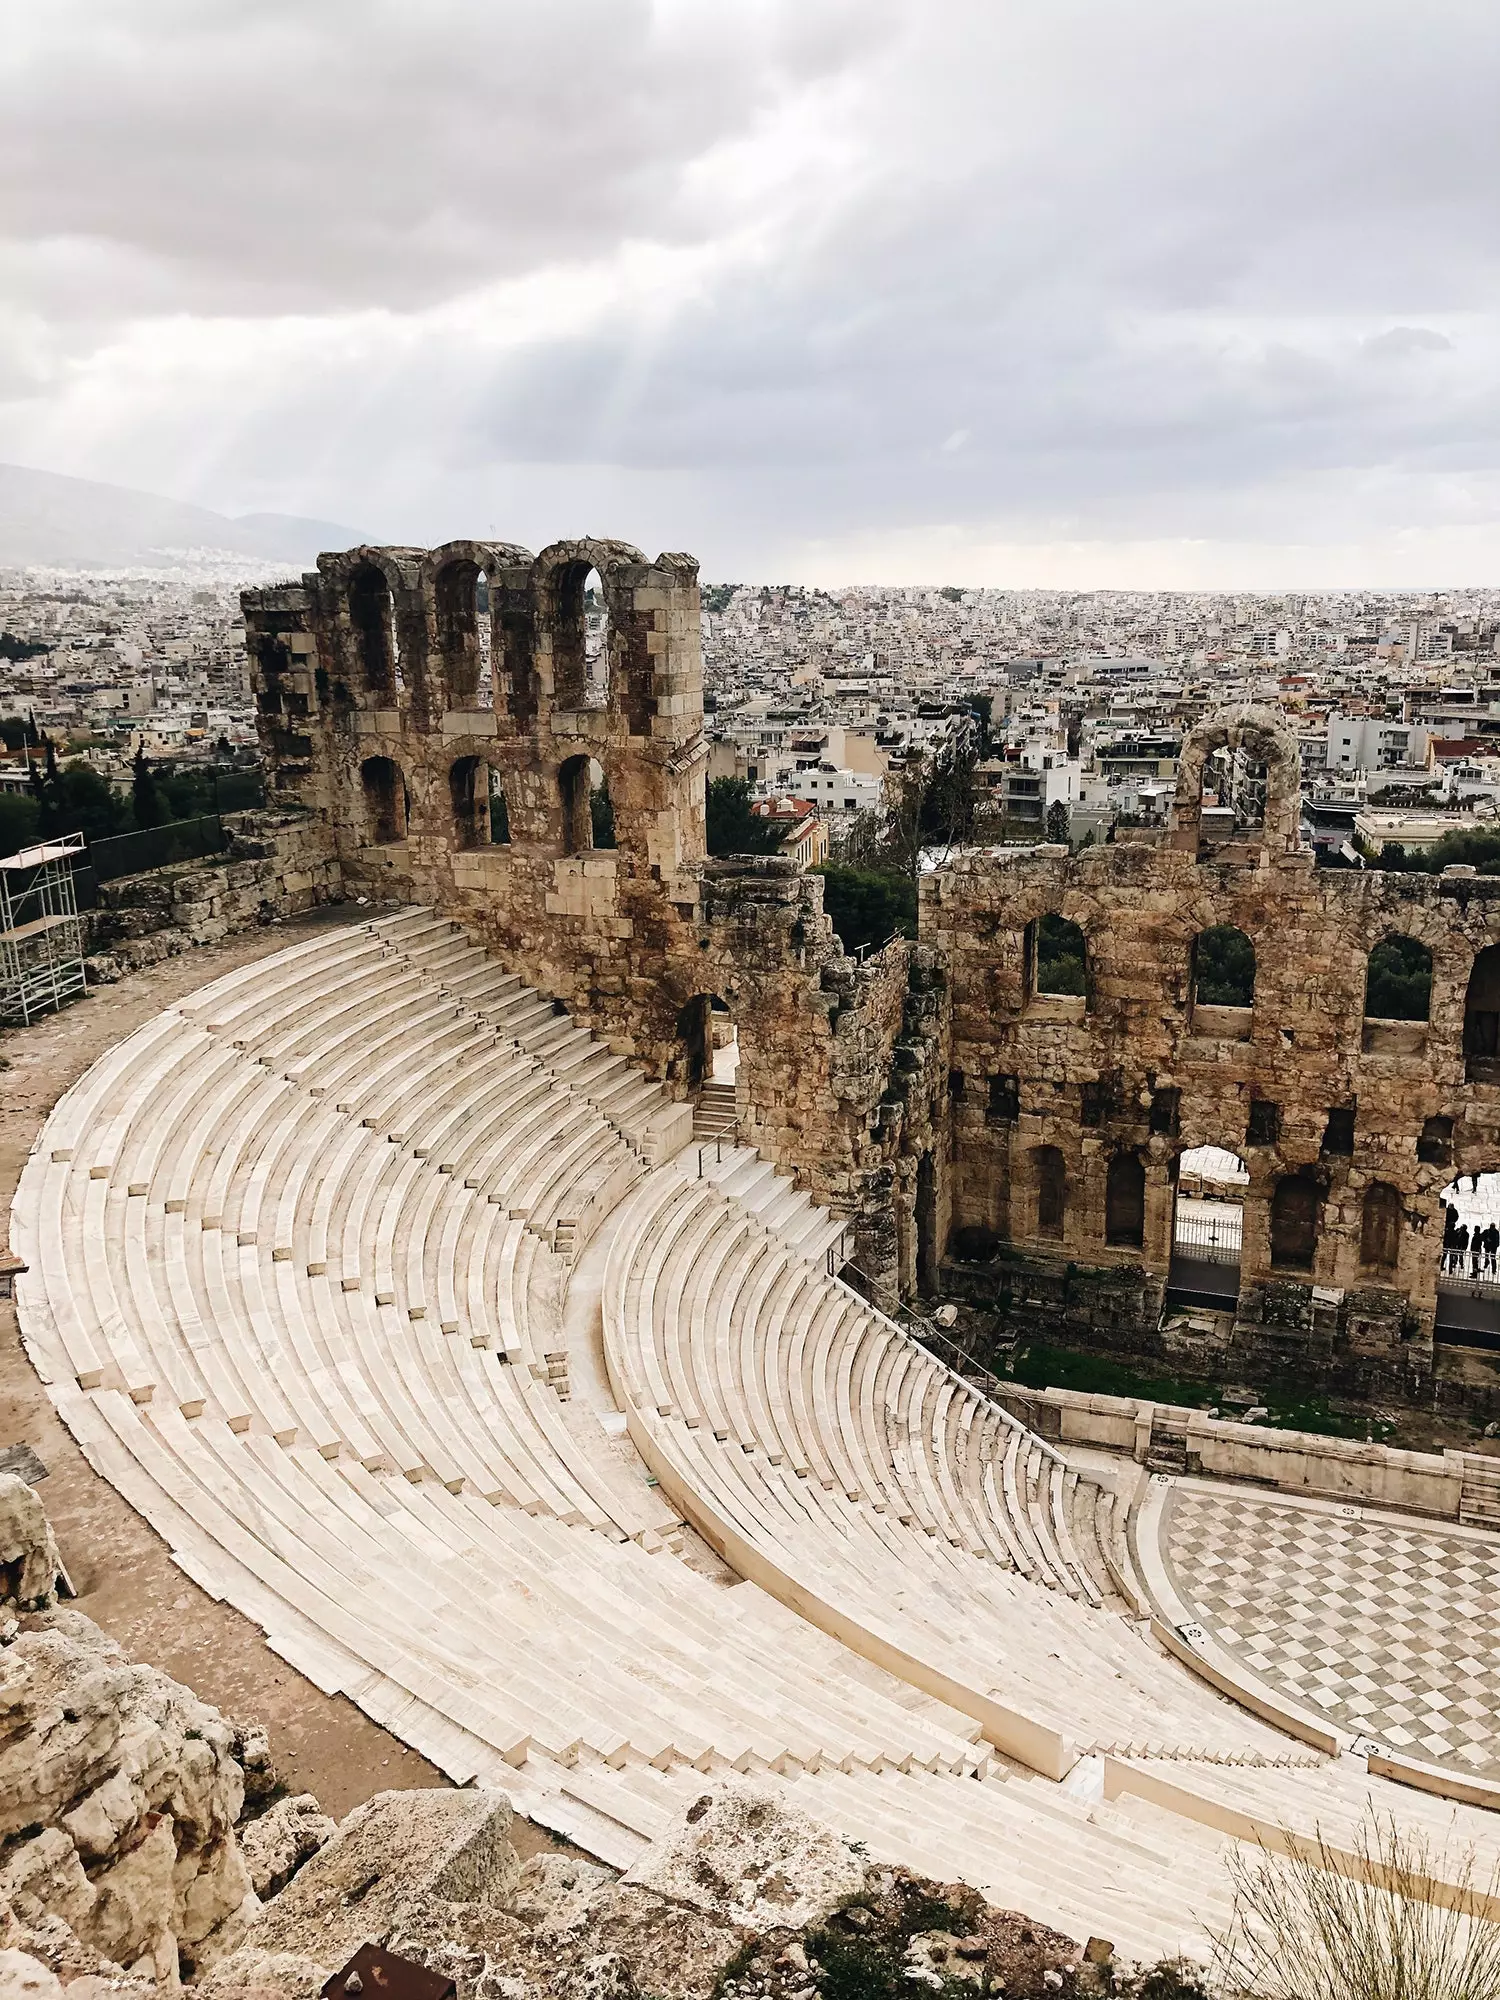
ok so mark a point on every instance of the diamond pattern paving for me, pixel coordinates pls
(1388, 1627)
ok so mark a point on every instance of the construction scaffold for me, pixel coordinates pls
(41, 932)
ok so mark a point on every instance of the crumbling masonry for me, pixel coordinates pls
(931, 1092)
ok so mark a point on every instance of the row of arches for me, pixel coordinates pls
(1215, 1239)
(463, 619)
(479, 809)
(1221, 959)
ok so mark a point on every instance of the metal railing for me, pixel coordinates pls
(1475, 1273)
(1208, 1239)
(946, 1352)
(157, 847)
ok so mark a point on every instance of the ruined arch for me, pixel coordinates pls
(1380, 1227)
(383, 788)
(456, 633)
(1125, 1202)
(1296, 1203)
(372, 621)
(1261, 734)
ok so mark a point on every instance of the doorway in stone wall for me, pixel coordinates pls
(710, 1062)
(1468, 1286)
(1208, 1228)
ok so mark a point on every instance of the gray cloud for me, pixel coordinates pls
(766, 275)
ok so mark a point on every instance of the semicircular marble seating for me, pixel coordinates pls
(313, 1256)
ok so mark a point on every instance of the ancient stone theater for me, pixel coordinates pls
(497, 1294)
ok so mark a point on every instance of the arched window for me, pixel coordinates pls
(1059, 957)
(469, 792)
(1482, 1018)
(1125, 1202)
(372, 616)
(1380, 1228)
(1398, 981)
(456, 594)
(384, 791)
(580, 639)
(1051, 1175)
(1223, 968)
(575, 784)
(1294, 1222)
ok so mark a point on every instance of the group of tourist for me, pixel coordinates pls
(1472, 1253)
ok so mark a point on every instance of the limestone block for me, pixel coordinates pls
(25, 1978)
(554, 1892)
(744, 1855)
(29, 1561)
(276, 1845)
(255, 1974)
(403, 1850)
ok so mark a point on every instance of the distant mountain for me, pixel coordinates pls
(61, 523)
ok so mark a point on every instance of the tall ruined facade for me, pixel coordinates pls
(933, 1092)
(1071, 1114)
(446, 718)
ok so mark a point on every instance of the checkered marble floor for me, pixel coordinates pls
(1389, 1627)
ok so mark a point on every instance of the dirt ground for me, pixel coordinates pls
(125, 1578)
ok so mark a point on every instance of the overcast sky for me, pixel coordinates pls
(1019, 292)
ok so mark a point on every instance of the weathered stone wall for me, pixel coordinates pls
(375, 718)
(277, 864)
(1299, 1085)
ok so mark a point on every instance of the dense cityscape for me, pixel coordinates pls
(1066, 709)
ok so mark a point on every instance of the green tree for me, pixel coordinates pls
(1223, 968)
(1058, 827)
(949, 801)
(602, 816)
(78, 800)
(1061, 956)
(869, 905)
(732, 827)
(146, 801)
(13, 731)
(1398, 983)
(19, 817)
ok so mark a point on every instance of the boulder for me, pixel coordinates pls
(119, 1793)
(29, 1561)
(746, 1856)
(399, 1852)
(286, 1834)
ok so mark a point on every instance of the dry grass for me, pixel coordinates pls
(1360, 1924)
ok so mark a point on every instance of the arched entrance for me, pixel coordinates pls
(1208, 1227)
(709, 1063)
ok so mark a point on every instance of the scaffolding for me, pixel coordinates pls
(41, 932)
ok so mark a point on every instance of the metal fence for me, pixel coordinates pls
(1206, 1237)
(1472, 1273)
(157, 847)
